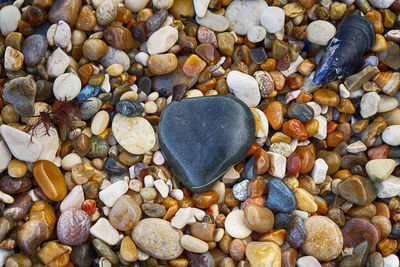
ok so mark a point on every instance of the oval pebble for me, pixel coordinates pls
(235, 225)
(67, 86)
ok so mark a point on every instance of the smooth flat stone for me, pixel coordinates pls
(202, 138)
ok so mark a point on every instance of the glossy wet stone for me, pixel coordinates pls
(129, 107)
(357, 230)
(21, 93)
(73, 227)
(357, 189)
(13, 186)
(34, 48)
(259, 219)
(82, 255)
(359, 256)
(232, 119)
(296, 234)
(50, 180)
(300, 111)
(280, 197)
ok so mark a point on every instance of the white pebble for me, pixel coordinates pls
(142, 58)
(244, 87)
(391, 135)
(162, 40)
(230, 176)
(200, 7)
(113, 192)
(176, 194)
(148, 181)
(308, 261)
(161, 187)
(99, 122)
(273, 19)
(57, 63)
(356, 147)
(320, 32)
(9, 18)
(13, 59)
(369, 104)
(256, 34)
(181, 217)
(391, 261)
(319, 171)
(277, 165)
(70, 160)
(193, 244)
(235, 225)
(67, 86)
(62, 37)
(104, 231)
(158, 158)
(344, 92)
(74, 199)
(322, 128)
(5, 156)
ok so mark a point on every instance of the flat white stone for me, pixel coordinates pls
(99, 122)
(161, 187)
(74, 199)
(380, 169)
(134, 134)
(49, 140)
(9, 18)
(200, 7)
(369, 104)
(277, 165)
(243, 15)
(344, 92)
(220, 189)
(67, 86)
(13, 59)
(356, 147)
(136, 5)
(322, 128)
(22, 145)
(70, 160)
(320, 32)
(387, 103)
(198, 213)
(181, 217)
(244, 87)
(230, 176)
(256, 34)
(235, 225)
(113, 192)
(104, 231)
(193, 244)
(62, 36)
(57, 63)
(381, 4)
(391, 261)
(5, 156)
(308, 261)
(106, 86)
(142, 58)
(319, 171)
(176, 194)
(391, 135)
(162, 40)
(213, 21)
(273, 19)
(388, 188)
(316, 107)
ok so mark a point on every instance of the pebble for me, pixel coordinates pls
(20, 92)
(381, 3)
(319, 171)
(280, 197)
(213, 21)
(125, 213)
(356, 147)
(34, 48)
(379, 170)
(67, 86)
(104, 231)
(99, 122)
(106, 12)
(391, 261)
(20, 144)
(73, 227)
(259, 219)
(387, 103)
(272, 19)
(307, 261)
(94, 49)
(62, 36)
(74, 199)
(322, 128)
(390, 135)
(113, 192)
(235, 225)
(13, 59)
(244, 87)
(57, 63)
(66, 10)
(162, 40)
(9, 18)
(263, 254)
(115, 56)
(369, 104)
(277, 165)
(390, 187)
(324, 240)
(6, 156)
(243, 15)
(200, 7)
(320, 32)
(136, 5)
(193, 244)
(157, 238)
(134, 134)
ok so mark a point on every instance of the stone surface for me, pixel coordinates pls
(263, 254)
(244, 87)
(180, 147)
(272, 19)
(157, 238)
(235, 225)
(21, 93)
(9, 17)
(357, 189)
(5, 155)
(104, 231)
(66, 10)
(379, 170)
(74, 199)
(390, 187)
(324, 240)
(162, 40)
(73, 227)
(113, 192)
(390, 135)
(67, 86)
(213, 21)
(320, 32)
(280, 197)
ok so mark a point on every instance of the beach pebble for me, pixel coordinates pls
(106, 12)
(193, 244)
(200, 7)
(319, 171)
(320, 32)
(322, 128)
(62, 36)
(34, 48)
(369, 104)
(22, 145)
(115, 56)
(13, 59)
(388, 188)
(391, 135)
(272, 19)
(391, 261)
(256, 34)
(66, 86)
(70, 160)
(104, 231)
(381, 3)
(134, 134)
(307, 261)
(244, 87)
(387, 103)
(49, 140)
(181, 217)
(74, 199)
(57, 63)
(380, 169)
(277, 165)
(99, 122)
(162, 40)
(136, 5)
(9, 18)
(161, 187)
(113, 192)
(235, 225)
(158, 238)
(213, 21)
(163, 4)
(243, 15)
(356, 147)
(5, 156)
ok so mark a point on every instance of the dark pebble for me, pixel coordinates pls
(82, 255)
(33, 49)
(296, 234)
(14, 186)
(114, 166)
(282, 220)
(280, 197)
(258, 55)
(300, 111)
(129, 108)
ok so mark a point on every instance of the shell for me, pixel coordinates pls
(389, 82)
(344, 53)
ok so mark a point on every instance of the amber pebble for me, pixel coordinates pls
(237, 249)
(382, 209)
(357, 230)
(85, 72)
(128, 159)
(294, 128)
(289, 257)
(376, 18)
(312, 127)
(193, 66)
(277, 236)
(345, 128)
(119, 37)
(53, 254)
(346, 106)
(50, 180)
(230, 199)
(162, 64)
(259, 219)
(81, 173)
(14, 39)
(43, 212)
(25, 28)
(86, 20)
(94, 49)
(36, 15)
(387, 246)
(366, 211)
(307, 159)
(208, 53)
(255, 187)
(128, 251)
(124, 15)
(275, 112)
(261, 162)
(334, 138)
(30, 235)
(188, 44)
(82, 144)
(203, 231)
(326, 97)
(125, 213)
(322, 205)
(383, 225)
(331, 158)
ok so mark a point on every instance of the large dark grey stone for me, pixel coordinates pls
(202, 138)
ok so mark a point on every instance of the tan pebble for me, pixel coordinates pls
(115, 70)
(193, 244)
(17, 168)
